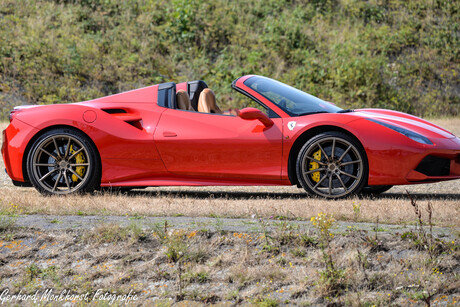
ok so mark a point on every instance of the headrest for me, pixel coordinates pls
(183, 100)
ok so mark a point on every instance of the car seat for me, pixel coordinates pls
(207, 102)
(183, 101)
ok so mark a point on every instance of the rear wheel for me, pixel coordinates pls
(332, 165)
(63, 161)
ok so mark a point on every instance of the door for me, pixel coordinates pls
(215, 145)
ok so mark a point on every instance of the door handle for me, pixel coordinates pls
(169, 134)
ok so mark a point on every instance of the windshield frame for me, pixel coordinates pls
(304, 103)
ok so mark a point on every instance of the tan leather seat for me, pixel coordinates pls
(207, 102)
(183, 101)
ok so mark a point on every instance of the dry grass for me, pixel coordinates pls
(230, 268)
(232, 202)
(450, 123)
(390, 207)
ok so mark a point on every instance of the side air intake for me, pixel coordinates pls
(130, 118)
(434, 166)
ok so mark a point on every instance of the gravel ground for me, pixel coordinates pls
(66, 222)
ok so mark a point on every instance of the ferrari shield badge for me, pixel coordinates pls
(291, 125)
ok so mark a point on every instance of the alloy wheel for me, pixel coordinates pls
(332, 167)
(61, 164)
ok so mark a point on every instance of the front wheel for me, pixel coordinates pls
(63, 161)
(332, 165)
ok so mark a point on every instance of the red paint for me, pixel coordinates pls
(221, 146)
(148, 145)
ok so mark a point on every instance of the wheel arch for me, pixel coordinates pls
(43, 131)
(304, 137)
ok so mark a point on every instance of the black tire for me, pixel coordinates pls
(63, 161)
(342, 161)
(375, 189)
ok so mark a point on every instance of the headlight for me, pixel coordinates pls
(410, 134)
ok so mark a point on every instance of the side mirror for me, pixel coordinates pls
(253, 113)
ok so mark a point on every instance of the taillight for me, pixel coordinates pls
(13, 113)
(18, 109)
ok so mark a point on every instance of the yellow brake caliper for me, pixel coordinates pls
(314, 165)
(79, 158)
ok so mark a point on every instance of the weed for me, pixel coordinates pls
(423, 296)
(160, 231)
(218, 225)
(308, 240)
(270, 249)
(8, 217)
(422, 239)
(196, 277)
(363, 263)
(6, 223)
(266, 302)
(233, 295)
(176, 247)
(198, 254)
(177, 244)
(106, 233)
(323, 222)
(298, 252)
(136, 232)
(238, 275)
(332, 279)
(136, 217)
(32, 271)
(268, 246)
(356, 211)
(51, 273)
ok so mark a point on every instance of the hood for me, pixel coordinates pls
(406, 121)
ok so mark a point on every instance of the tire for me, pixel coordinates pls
(332, 165)
(375, 189)
(63, 161)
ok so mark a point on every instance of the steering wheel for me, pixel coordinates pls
(282, 103)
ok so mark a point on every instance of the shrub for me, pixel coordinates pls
(394, 54)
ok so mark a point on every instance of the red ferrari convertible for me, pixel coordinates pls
(175, 134)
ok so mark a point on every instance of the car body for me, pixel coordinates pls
(139, 138)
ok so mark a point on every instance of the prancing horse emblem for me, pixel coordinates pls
(291, 125)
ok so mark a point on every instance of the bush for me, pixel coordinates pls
(398, 54)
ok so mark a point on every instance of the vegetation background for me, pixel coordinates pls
(396, 54)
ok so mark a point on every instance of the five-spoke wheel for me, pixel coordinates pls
(63, 161)
(332, 165)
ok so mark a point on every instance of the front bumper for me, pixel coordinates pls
(438, 165)
(394, 159)
(440, 162)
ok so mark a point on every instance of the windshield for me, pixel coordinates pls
(291, 100)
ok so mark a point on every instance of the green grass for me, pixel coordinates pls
(397, 54)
